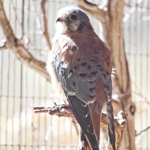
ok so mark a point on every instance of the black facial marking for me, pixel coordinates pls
(108, 63)
(81, 26)
(78, 59)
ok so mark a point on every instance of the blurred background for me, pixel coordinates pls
(21, 88)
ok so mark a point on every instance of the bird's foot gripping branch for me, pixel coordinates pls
(63, 110)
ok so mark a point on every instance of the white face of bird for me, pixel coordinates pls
(70, 19)
(60, 27)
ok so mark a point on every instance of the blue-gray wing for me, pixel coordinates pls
(79, 79)
(77, 71)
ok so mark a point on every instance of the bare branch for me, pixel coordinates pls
(58, 110)
(131, 10)
(65, 111)
(148, 127)
(18, 48)
(137, 5)
(15, 9)
(92, 9)
(45, 32)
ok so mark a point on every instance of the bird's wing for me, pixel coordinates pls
(77, 65)
(82, 114)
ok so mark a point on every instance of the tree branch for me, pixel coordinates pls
(148, 127)
(64, 110)
(18, 48)
(132, 10)
(92, 9)
(45, 32)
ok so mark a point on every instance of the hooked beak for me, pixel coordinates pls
(60, 19)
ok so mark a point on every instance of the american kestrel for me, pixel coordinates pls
(80, 66)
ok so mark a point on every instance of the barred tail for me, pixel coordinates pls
(111, 128)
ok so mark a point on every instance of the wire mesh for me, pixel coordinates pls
(21, 88)
(137, 46)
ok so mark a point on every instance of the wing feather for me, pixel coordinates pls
(77, 67)
(83, 116)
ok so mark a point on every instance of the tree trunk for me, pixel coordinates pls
(113, 36)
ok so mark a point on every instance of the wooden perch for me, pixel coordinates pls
(64, 110)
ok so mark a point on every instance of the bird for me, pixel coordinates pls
(80, 66)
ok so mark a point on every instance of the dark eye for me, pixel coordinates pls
(73, 17)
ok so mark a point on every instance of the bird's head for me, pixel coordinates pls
(71, 19)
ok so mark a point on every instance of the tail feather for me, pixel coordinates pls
(82, 114)
(96, 123)
(111, 128)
